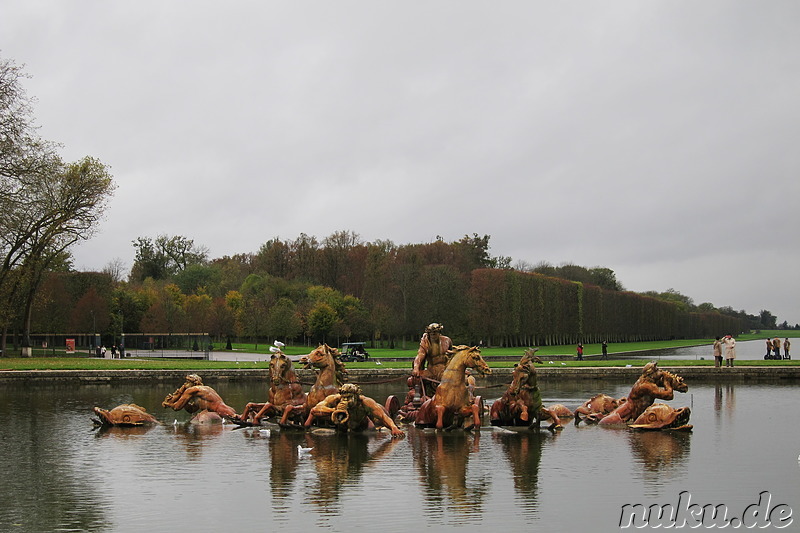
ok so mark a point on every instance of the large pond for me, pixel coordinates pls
(59, 474)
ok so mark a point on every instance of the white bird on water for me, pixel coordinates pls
(302, 451)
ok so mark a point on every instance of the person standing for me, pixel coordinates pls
(786, 346)
(717, 353)
(769, 349)
(580, 352)
(730, 350)
(776, 345)
(605, 350)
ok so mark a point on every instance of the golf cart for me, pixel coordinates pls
(354, 351)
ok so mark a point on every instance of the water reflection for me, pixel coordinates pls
(660, 453)
(724, 400)
(122, 432)
(441, 460)
(524, 455)
(339, 461)
(63, 475)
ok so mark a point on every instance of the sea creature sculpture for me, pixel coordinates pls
(128, 414)
(450, 405)
(596, 408)
(661, 416)
(521, 404)
(561, 411)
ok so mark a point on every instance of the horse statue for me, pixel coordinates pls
(654, 384)
(284, 396)
(521, 404)
(331, 375)
(450, 404)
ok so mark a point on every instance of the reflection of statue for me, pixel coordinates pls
(597, 407)
(442, 460)
(124, 415)
(431, 359)
(521, 404)
(664, 417)
(200, 400)
(451, 404)
(339, 461)
(524, 453)
(285, 395)
(653, 384)
(283, 461)
(349, 410)
(660, 452)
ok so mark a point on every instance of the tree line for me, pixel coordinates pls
(340, 288)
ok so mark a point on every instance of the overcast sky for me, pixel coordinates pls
(659, 139)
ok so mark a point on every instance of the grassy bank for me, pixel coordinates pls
(63, 363)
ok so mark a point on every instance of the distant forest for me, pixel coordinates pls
(340, 288)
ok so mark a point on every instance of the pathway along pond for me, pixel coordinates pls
(62, 475)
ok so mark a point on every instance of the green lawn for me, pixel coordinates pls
(83, 362)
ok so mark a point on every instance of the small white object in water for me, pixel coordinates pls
(302, 451)
(175, 422)
(264, 432)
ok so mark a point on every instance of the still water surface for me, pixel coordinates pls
(59, 474)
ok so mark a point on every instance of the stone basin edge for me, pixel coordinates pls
(740, 374)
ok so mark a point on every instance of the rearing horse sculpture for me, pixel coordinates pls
(521, 405)
(284, 396)
(451, 405)
(331, 374)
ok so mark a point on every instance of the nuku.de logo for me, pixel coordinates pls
(693, 515)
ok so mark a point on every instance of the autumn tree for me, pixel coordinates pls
(165, 256)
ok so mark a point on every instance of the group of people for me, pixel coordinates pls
(579, 350)
(774, 349)
(730, 351)
(102, 351)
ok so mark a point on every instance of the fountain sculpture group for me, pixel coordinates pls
(333, 403)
